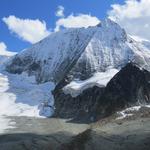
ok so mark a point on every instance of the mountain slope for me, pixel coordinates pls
(87, 57)
(51, 58)
(79, 53)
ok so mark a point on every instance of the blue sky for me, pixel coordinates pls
(45, 10)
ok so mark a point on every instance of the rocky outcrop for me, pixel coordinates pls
(78, 108)
(127, 88)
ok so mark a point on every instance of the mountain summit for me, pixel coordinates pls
(80, 52)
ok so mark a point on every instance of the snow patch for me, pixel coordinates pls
(99, 79)
(128, 111)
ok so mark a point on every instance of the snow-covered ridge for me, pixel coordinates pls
(92, 49)
(51, 58)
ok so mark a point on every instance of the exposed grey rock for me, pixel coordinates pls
(98, 140)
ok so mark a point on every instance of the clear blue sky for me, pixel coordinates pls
(45, 10)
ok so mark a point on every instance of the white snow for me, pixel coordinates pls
(58, 51)
(97, 47)
(128, 111)
(20, 95)
(5, 124)
(99, 79)
(138, 39)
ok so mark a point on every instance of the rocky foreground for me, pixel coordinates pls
(132, 133)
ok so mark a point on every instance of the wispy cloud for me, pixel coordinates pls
(29, 30)
(134, 16)
(4, 51)
(60, 11)
(76, 21)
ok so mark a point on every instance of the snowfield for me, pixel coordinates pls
(99, 79)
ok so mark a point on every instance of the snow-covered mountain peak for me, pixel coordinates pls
(79, 53)
(106, 49)
(93, 54)
(112, 30)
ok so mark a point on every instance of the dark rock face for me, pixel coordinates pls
(75, 107)
(127, 88)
